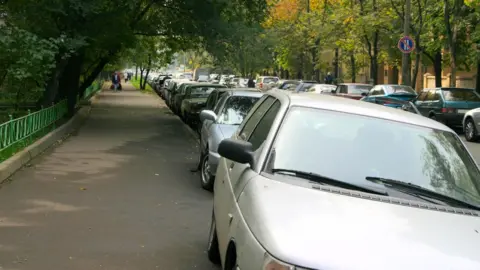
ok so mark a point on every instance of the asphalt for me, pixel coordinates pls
(118, 194)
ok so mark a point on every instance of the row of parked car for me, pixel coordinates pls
(310, 181)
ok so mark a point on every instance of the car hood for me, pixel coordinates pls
(323, 230)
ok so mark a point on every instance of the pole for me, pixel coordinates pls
(406, 68)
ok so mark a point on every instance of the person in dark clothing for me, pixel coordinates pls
(250, 83)
(329, 78)
(116, 81)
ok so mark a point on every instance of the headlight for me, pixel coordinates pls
(273, 264)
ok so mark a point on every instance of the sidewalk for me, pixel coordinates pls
(116, 195)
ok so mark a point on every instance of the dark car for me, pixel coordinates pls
(447, 105)
(195, 100)
(352, 90)
(179, 95)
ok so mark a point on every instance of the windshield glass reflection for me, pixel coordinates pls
(350, 147)
(235, 110)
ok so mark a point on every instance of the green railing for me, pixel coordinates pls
(20, 132)
(92, 89)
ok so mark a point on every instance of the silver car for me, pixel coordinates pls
(471, 124)
(221, 123)
(313, 181)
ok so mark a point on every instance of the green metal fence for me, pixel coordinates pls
(19, 132)
(92, 89)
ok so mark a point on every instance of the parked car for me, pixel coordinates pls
(173, 91)
(304, 86)
(352, 90)
(288, 85)
(283, 198)
(195, 100)
(321, 89)
(471, 120)
(221, 123)
(401, 92)
(447, 105)
(179, 95)
(265, 83)
(396, 103)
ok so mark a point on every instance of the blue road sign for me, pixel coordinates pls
(406, 44)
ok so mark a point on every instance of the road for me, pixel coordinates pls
(117, 195)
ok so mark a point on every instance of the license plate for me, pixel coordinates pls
(462, 111)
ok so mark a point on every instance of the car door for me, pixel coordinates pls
(208, 125)
(419, 102)
(428, 102)
(255, 129)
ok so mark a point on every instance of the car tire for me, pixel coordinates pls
(206, 178)
(212, 249)
(470, 131)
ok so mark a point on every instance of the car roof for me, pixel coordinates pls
(355, 84)
(346, 105)
(247, 92)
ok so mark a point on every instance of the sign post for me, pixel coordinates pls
(406, 44)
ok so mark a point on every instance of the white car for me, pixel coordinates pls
(312, 181)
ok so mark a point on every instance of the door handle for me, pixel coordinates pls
(230, 218)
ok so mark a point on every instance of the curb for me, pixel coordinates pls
(20, 159)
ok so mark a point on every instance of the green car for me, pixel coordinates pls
(195, 100)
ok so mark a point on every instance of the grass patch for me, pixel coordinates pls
(136, 84)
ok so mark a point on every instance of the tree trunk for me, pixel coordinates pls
(418, 56)
(353, 67)
(437, 67)
(93, 76)
(136, 72)
(374, 59)
(70, 81)
(52, 88)
(144, 85)
(141, 76)
(477, 87)
(452, 32)
(395, 72)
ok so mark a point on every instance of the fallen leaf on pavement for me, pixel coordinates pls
(82, 188)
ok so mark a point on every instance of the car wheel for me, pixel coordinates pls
(212, 249)
(470, 131)
(207, 179)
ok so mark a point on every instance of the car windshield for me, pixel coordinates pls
(304, 86)
(235, 110)
(460, 95)
(400, 89)
(359, 89)
(318, 141)
(201, 91)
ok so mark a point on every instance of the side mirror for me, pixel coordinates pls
(207, 115)
(364, 94)
(236, 150)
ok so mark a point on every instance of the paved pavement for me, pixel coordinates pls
(117, 195)
(474, 149)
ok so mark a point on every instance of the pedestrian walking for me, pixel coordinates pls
(115, 81)
(329, 78)
(250, 83)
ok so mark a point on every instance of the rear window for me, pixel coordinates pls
(398, 89)
(460, 95)
(304, 86)
(269, 80)
(201, 91)
(359, 89)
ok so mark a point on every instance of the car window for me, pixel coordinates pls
(269, 80)
(201, 91)
(313, 140)
(235, 109)
(359, 89)
(343, 89)
(377, 91)
(259, 135)
(255, 118)
(431, 95)
(211, 100)
(459, 94)
(422, 95)
(221, 100)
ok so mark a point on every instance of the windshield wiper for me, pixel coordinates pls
(417, 190)
(317, 178)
